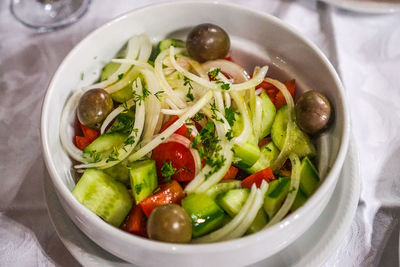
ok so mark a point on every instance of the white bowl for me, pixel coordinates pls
(257, 38)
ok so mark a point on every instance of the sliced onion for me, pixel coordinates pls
(258, 78)
(132, 53)
(197, 160)
(145, 48)
(114, 114)
(233, 224)
(219, 174)
(251, 215)
(244, 112)
(152, 105)
(67, 117)
(283, 155)
(293, 189)
(235, 71)
(179, 139)
(173, 111)
(158, 66)
(171, 129)
(125, 150)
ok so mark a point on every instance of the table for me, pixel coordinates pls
(363, 48)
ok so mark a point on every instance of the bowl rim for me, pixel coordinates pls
(330, 178)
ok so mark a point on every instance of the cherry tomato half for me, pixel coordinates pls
(182, 130)
(181, 159)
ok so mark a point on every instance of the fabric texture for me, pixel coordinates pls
(364, 49)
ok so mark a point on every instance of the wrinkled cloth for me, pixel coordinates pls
(364, 49)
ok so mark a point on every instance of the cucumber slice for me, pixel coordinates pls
(301, 146)
(206, 215)
(165, 44)
(104, 196)
(259, 222)
(269, 153)
(268, 115)
(276, 194)
(108, 70)
(222, 187)
(143, 176)
(298, 201)
(309, 179)
(248, 153)
(233, 200)
(123, 94)
(119, 172)
(103, 145)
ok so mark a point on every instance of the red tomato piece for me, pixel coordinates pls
(135, 222)
(167, 193)
(231, 173)
(182, 130)
(257, 178)
(181, 159)
(275, 95)
(82, 142)
(89, 133)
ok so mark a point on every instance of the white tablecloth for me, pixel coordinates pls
(365, 50)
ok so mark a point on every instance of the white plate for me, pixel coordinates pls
(367, 6)
(311, 249)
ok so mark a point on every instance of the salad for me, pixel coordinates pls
(181, 144)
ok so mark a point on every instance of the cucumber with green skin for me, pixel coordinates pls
(103, 145)
(119, 172)
(143, 176)
(123, 94)
(298, 201)
(259, 222)
(206, 215)
(268, 115)
(223, 187)
(309, 178)
(301, 144)
(247, 153)
(107, 198)
(269, 153)
(233, 200)
(276, 194)
(165, 44)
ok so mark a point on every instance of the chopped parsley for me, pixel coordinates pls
(95, 156)
(120, 76)
(138, 189)
(129, 141)
(114, 155)
(207, 144)
(167, 171)
(229, 135)
(214, 73)
(158, 94)
(82, 75)
(189, 95)
(230, 115)
(199, 116)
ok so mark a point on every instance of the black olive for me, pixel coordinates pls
(93, 107)
(313, 112)
(207, 42)
(169, 223)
